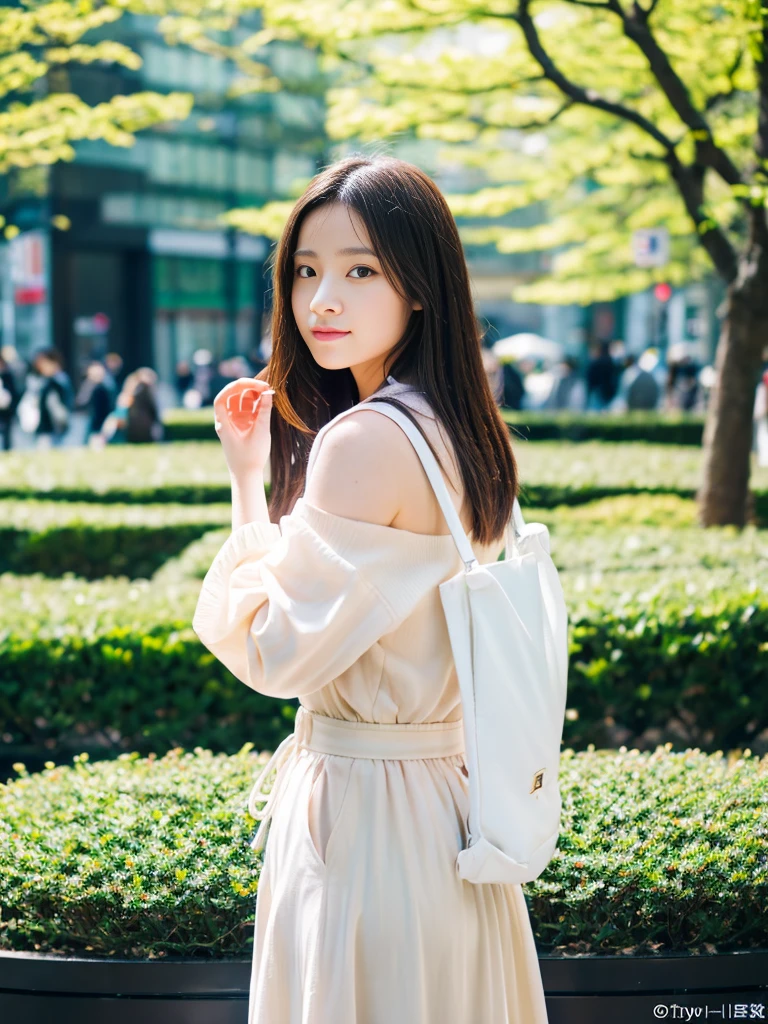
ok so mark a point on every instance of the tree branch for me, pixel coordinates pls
(459, 89)
(689, 180)
(606, 4)
(483, 122)
(761, 66)
(758, 219)
(576, 92)
(637, 28)
(690, 183)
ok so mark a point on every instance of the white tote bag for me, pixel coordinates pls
(508, 626)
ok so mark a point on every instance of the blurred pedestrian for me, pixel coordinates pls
(494, 372)
(760, 415)
(17, 365)
(203, 372)
(9, 400)
(48, 399)
(569, 389)
(115, 366)
(513, 387)
(601, 377)
(184, 378)
(229, 370)
(144, 421)
(638, 386)
(97, 396)
(682, 389)
(136, 417)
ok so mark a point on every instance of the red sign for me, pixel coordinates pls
(29, 296)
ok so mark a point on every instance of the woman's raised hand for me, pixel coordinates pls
(241, 416)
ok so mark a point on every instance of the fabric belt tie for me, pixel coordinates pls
(325, 735)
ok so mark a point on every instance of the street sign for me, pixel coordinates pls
(92, 326)
(28, 268)
(650, 247)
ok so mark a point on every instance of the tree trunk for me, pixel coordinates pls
(728, 431)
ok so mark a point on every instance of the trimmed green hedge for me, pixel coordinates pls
(136, 474)
(534, 425)
(99, 540)
(644, 668)
(133, 858)
(648, 427)
(117, 689)
(641, 536)
(668, 642)
(552, 473)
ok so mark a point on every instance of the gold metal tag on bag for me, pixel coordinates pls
(538, 780)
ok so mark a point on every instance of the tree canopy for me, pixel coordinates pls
(616, 115)
(40, 117)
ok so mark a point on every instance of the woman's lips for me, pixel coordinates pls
(329, 335)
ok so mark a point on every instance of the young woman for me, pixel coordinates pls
(331, 595)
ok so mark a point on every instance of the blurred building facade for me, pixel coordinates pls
(144, 267)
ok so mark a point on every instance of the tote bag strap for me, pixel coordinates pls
(432, 469)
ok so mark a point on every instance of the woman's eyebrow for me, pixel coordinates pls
(350, 251)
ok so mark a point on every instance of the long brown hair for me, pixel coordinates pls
(415, 237)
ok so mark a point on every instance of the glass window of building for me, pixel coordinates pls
(252, 173)
(291, 171)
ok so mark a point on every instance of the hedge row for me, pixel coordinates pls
(660, 852)
(552, 473)
(94, 541)
(638, 535)
(534, 425)
(656, 610)
(644, 668)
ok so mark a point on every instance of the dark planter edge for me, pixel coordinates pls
(579, 974)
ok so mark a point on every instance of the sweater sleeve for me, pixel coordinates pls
(289, 608)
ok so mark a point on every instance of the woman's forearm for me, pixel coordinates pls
(249, 502)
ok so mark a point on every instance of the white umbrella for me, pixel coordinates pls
(528, 346)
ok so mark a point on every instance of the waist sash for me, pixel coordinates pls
(325, 735)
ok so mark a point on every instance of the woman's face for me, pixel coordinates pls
(334, 286)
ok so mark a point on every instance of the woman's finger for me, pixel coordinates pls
(235, 386)
(248, 391)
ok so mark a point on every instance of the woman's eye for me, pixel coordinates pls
(369, 271)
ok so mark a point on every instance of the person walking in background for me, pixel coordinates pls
(144, 423)
(184, 379)
(115, 366)
(203, 372)
(638, 386)
(495, 374)
(601, 377)
(682, 389)
(760, 415)
(228, 370)
(513, 388)
(96, 396)
(136, 418)
(568, 388)
(46, 405)
(9, 399)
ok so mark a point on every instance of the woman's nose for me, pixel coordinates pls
(323, 301)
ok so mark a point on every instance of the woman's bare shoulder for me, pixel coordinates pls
(357, 468)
